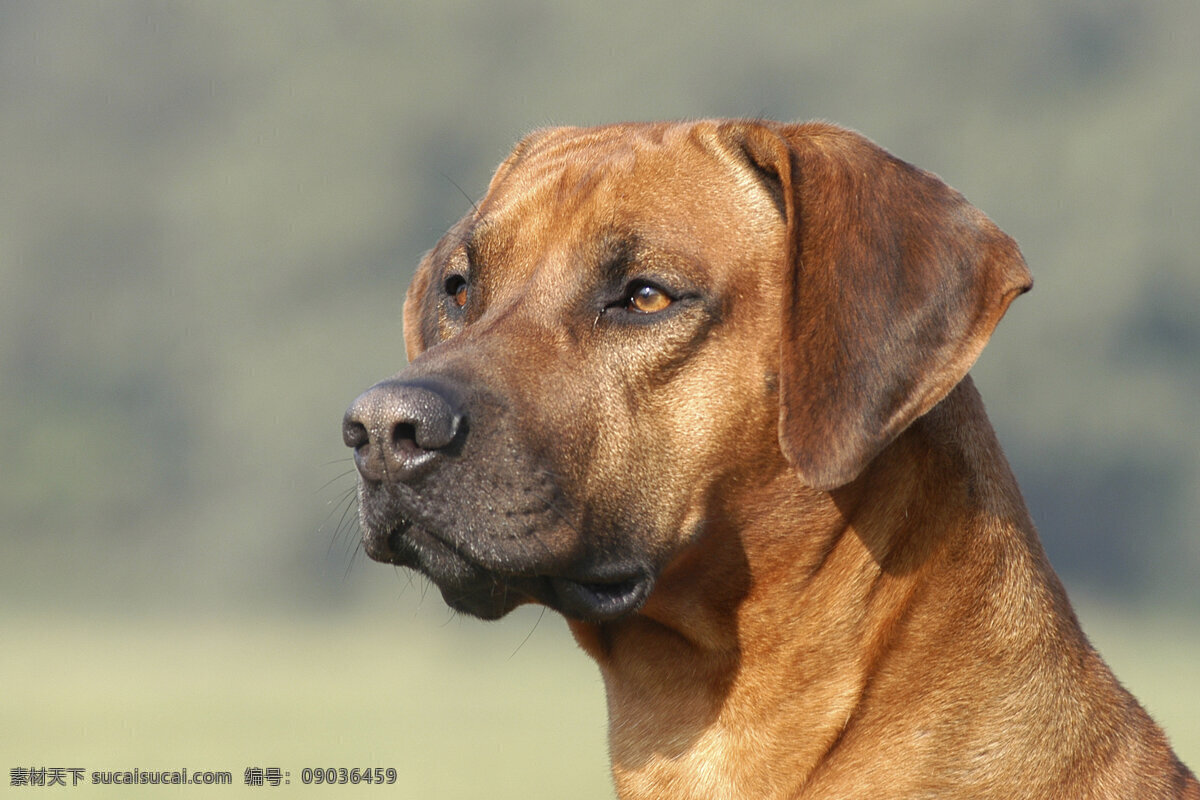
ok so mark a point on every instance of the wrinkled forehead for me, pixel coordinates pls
(664, 184)
(568, 167)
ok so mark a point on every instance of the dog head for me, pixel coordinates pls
(638, 320)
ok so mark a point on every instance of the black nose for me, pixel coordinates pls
(395, 428)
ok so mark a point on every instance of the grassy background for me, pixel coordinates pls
(458, 717)
(208, 215)
(511, 710)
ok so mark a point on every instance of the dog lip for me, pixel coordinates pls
(602, 600)
(597, 593)
(385, 545)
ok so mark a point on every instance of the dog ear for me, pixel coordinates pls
(893, 285)
(417, 333)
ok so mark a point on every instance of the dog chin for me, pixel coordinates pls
(596, 595)
(491, 603)
(465, 587)
(578, 600)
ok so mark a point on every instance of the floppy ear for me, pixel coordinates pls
(893, 285)
(415, 298)
(422, 301)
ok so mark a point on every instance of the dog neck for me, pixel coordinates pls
(729, 687)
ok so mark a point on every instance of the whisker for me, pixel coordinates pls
(333, 461)
(346, 520)
(460, 191)
(536, 622)
(350, 562)
(334, 480)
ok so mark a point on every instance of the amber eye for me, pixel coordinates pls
(456, 288)
(647, 299)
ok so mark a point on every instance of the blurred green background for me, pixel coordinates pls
(209, 213)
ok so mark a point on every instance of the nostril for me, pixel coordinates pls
(404, 432)
(354, 434)
(404, 440)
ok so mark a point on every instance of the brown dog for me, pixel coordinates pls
(703, 389)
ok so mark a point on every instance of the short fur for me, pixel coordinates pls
(774, 512)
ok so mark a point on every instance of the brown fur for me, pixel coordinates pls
(822, 579)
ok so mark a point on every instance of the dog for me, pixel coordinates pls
(702, 388)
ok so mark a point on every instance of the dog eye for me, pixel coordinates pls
(646, 298)
(456, 288)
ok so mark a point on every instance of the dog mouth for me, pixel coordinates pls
(594, 593)
(601, 601)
